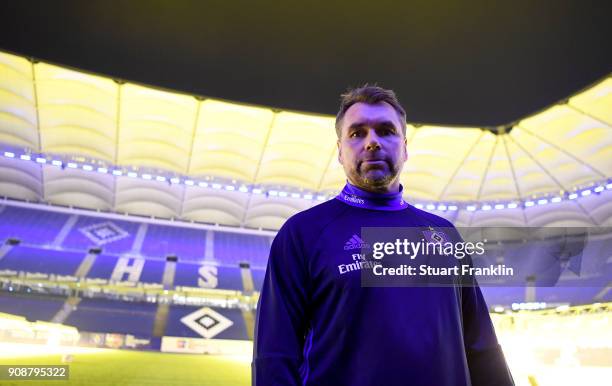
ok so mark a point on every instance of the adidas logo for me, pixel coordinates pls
(355, 242)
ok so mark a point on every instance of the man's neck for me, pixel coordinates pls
(375, 200)
(393, 187)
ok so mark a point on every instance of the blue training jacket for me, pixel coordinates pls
(316, 326)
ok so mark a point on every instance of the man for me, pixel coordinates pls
(316, 323)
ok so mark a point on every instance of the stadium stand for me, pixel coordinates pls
(113, 316)
(187, 243)
(31, 307)
(208, 276)
(152, 272)
(29, 225)
(234, 248)
(219, 267)
(115, 236)
(118, 237)
(576, 292)
(102, 267)
(41, 260)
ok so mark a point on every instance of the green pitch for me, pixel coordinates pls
(116, 367)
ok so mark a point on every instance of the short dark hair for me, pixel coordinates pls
(370, 95)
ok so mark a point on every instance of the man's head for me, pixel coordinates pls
(371, 129)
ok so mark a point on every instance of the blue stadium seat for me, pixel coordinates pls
(41, 260)
(187, 243)
(113, 316)
(232, 248)
(31, 226)
(33, 308)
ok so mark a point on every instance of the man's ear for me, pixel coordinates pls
(339, 151)
(405, 149)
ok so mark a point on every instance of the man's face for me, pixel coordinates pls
(372, 147)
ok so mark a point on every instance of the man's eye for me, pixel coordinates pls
(355, 134)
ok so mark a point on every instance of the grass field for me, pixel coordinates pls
(120, 367)
(117, 367)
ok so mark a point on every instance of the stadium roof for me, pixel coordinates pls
(130, 148)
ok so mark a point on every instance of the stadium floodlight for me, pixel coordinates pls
(529, 204)
(498, 309)
(132, 174)
(500, 206)
(272, 193)
(442, 207)
(555, 199)
(216, 186)
(418, 206)
(146, 176)
(599, 189)
(41, 160)
(72, 165)
(189, 182)
(452, 207)
(486, 207)
(430, 206)
(230, 187)
(243, 189)
(512, 205)
(160, 179)
(102, 170)
(25, 157)
(56, 162)
(585, 192)
(117, 172)
(87, 168)
(308, 196)
(572, 196)
(321, 198)
(257, 191)
(282, 194)
(203, 184)
(9, 154)
(542, 201)
(175, 180)
(609, 186)
(295, 195)
(471, 208)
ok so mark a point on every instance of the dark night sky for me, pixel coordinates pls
(470, 63)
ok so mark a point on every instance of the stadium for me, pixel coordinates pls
(136, 223)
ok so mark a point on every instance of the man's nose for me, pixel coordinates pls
(372, 141)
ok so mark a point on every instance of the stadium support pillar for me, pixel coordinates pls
(4, 249)
(86, 265)
(249, 322)
(168, 278)
(161, 318)
(530, 289)
(601, 294)
(209, 247)
(247, 280)
(63, 233)
(69, 306)
(139, 238)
